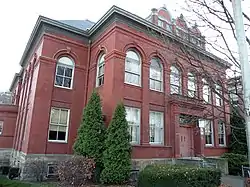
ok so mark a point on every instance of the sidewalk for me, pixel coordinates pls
(234, 181)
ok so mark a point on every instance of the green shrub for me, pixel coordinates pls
(117, 155)
(235, 161)
(178, 176)
(91, 133)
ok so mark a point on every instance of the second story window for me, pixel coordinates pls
(218, 95)
(100, 71)
(133, 68)
(156, 75)
(191, 85)
(175, 80)
(64, 73)
(206, 91)
(1, 127)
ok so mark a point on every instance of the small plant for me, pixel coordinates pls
(75, 171)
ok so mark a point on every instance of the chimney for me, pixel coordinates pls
(154, 16)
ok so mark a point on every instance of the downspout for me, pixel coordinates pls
(87, 78)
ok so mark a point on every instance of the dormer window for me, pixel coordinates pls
(160, 23)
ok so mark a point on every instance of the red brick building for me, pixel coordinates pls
(167, 92)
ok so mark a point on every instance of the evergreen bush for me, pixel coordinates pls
(117, 155)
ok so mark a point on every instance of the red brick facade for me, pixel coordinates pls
(35, 92)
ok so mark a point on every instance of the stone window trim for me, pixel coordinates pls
(100, 70)
(134, 122)
(156, 134)
(58, 125)
(67, 67)
(133, 59)
(1, 127)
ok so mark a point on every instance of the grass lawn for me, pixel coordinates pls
(5, 182)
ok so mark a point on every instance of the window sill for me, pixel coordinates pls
(159, 91)
(61, 87)
(131, 84)
(209, 146)
(57, 141)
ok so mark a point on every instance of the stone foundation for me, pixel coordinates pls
(5, 157)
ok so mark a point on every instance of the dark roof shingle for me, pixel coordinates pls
(80, 24)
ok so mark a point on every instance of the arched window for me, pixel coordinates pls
(218, 94)
(206, 91)
(100, 70)
(175, 80)
(156, 75)
(64, 72)
(191, 85)
(133, 68)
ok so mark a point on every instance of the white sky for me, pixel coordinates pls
(18, 18)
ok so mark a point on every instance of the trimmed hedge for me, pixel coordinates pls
(178, 176)
(235, 161)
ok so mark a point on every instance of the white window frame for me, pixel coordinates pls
(58, 64)
(172, 84)
(1, 127)
(204, 94)
(211, 132)
(133, 124)
(222, 133)
(157, 129)
(67, 127)
(192, 90)
(100, 63)
(131, 72)
(218, 99)
(152, 79)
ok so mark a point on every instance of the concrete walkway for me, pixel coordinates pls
(234, 181)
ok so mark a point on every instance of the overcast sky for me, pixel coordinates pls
(17, 19)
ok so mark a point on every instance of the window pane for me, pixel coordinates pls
(59, 81)
(68, 72)
(63, 117)
(52, 135)
(132, 78)
(67, 82)
(174, 89)
(61, 135)
(54, 116)
(60, 70)
(152, 133)
(66, 61)
(53, 127)
(62, 128)
(132, 66)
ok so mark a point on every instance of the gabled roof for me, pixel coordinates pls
(80, 24)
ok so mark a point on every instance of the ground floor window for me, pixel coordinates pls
(156, 127)
(59, 122)
(133, 117)
(222, 133)
(209, 134)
